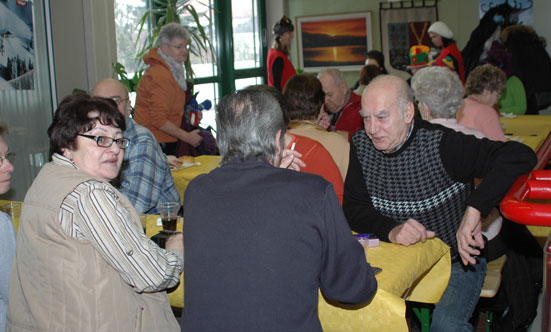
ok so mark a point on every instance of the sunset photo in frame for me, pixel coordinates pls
(339, 41)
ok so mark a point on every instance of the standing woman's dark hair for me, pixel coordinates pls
(281, 27)
(379, 57)
(279, 67)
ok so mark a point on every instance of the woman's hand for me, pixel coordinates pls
(193, 138)
(175, 243)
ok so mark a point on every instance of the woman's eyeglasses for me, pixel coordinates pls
(10, 156)
(105, 142)
(179, 47)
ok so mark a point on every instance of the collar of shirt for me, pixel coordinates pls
(62, 160)
(404, 141)
(335, 116)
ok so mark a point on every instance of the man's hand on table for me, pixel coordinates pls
(175, 242)
(173, 160)
(291, 159)
(410, 232)
(469, 236)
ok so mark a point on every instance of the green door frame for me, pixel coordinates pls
(224, 35)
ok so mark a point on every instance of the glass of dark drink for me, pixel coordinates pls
(169, 215)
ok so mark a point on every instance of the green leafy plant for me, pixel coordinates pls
(130, 83)
(167, 11)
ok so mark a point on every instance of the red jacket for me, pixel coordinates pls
(318, 161)
(453, 52)
(288, 69)
(350, 119)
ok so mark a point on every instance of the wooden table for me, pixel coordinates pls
(424, 266)
(182, 177)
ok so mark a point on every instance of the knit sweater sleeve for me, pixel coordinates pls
(345, 276)
(498, 163)
(357, 205)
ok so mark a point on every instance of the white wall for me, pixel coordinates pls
(275, 9)
(84, 43)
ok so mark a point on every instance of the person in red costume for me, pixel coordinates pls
(442, 37)
(280, 68)
(342, 104)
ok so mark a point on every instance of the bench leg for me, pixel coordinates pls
(423, 314)
(489, 320)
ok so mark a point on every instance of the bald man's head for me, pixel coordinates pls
(113, 89)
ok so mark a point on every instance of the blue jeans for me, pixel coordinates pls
(456, 306)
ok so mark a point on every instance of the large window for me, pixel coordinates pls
(235, 29)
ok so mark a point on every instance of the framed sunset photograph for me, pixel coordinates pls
(340, 41)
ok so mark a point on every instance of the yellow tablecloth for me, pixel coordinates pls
(16, 220)
(182, 177)
(532, 130)
(427, 263)
(177, 296)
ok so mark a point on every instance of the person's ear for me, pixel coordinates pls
(278, 142)
(409, 112)
(163, 47)
(425, 111)
(67, 154)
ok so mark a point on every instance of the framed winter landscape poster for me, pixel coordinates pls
(339, 41)
(16, 45)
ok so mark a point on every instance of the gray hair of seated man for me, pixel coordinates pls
(247, 122)
(172, 30)
(440, 89)
(336, 74)
(396, 85)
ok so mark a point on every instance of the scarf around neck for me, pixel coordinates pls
(178, 70)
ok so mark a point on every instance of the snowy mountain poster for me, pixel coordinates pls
(16, 45)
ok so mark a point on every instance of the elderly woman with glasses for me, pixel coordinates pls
(161, 93)
(83, 261)
(7, 232)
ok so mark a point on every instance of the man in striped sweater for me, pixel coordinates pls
(409, 180)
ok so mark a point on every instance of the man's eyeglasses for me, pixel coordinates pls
(105, 142)
(10, 156)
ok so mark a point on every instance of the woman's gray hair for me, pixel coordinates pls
(247, 123)
(172, 30)
(440, 89)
